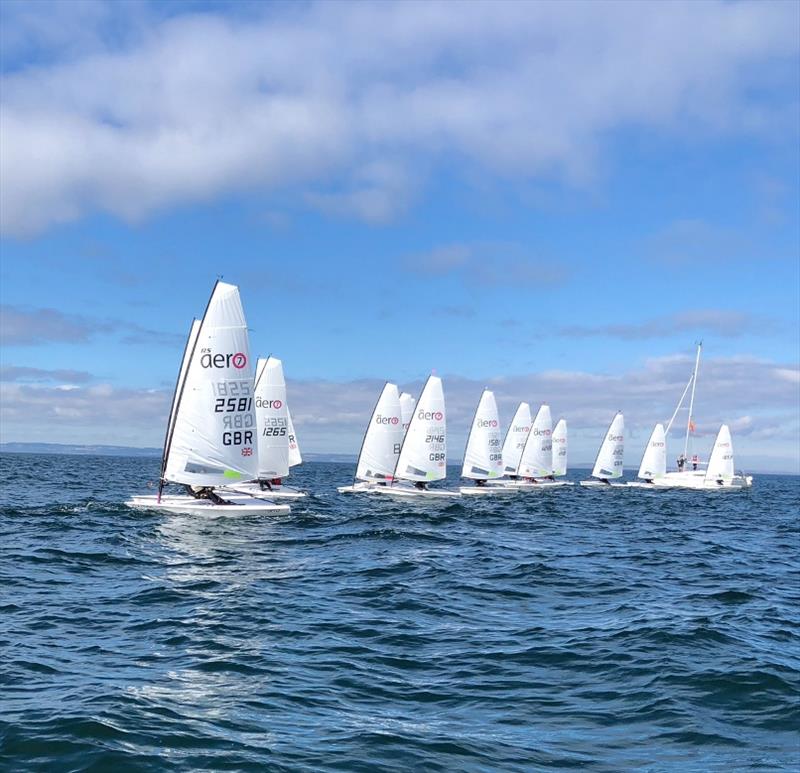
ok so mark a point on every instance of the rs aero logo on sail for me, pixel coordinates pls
(237, 360)
(386, 419)
(428, 415)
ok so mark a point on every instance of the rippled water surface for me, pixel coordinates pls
(602, 630)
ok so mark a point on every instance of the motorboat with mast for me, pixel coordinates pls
(719, 475)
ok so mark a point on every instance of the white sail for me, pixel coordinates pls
(560, 448)
(654, 460)
(609, 459)
(407, 404)
(272, 419)
(537, 455)
(383, 438)
(720, 463)
(516, 436)
(294, 447)
(213, 439)
(483, 458)
(423, 454)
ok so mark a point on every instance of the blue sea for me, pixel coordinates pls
(604, 630)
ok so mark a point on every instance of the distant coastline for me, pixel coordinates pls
(69, 449)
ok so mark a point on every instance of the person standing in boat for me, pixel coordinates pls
(681, 462)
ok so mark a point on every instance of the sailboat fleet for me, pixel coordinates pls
(230, 442)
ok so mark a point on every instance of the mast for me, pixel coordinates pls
(691, 399)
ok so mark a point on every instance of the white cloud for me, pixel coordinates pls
(330, 416)
(354, 102)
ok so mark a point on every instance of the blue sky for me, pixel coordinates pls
(557, 199)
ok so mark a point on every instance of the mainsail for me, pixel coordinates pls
(609, 459)
(423, 453)
(654, 460)
(213, 436)
(382, 440)
(537, 455)
(560, 448)
(720, 463)
(483, 458)
(516, 435)
(272, 419)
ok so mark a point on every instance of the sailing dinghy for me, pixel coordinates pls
(272, 422)
(210, 440)
(483, 456)
(559, 456)
(423, 452)
(608, 464)
(514, 441)
(380, 445)
(654, 460)
(536, 461)
(696, 478)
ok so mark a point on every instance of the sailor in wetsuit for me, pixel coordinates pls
(207, 492)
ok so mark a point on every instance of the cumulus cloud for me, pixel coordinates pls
(487, 264)
(754, 396)
(720, 322)
(21, 326)
(13, 373)
(117, 108)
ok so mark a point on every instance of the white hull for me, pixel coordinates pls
(489, 489)
(412, 492)
(362, 487)
(205, 507)
(254, 490)
(696, 479)
(641, 484)
(527, 485)
(600, 484)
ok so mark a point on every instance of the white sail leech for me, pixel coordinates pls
(214, 433)
(381, 446)
(516, 435)
(483, 458)
(610, 457)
